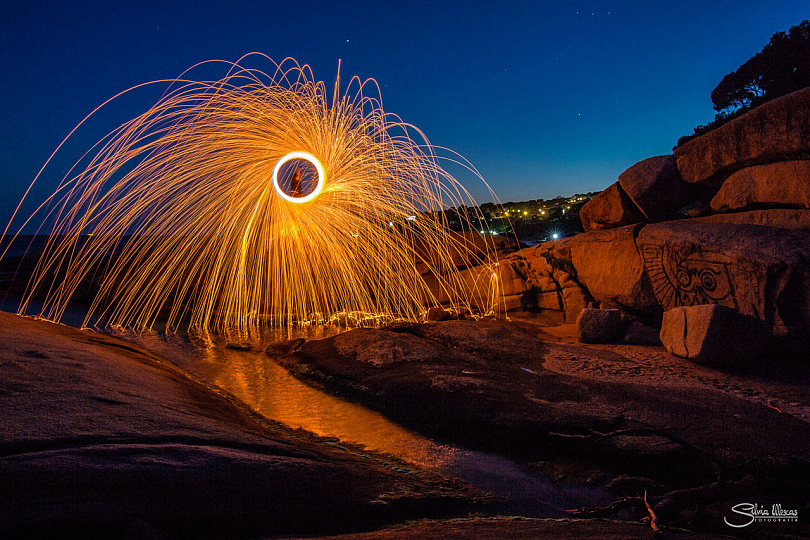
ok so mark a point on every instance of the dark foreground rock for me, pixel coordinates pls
(514, 528)
(100, 438)
(487, 386)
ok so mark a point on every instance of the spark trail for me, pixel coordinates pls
(186, 213)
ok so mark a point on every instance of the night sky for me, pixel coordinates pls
(545, 98)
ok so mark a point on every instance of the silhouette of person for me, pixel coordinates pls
(295, 184)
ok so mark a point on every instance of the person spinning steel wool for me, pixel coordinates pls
(295, 184)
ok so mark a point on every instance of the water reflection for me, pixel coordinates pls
(268, 388)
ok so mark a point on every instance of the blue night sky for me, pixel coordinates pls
(545, 98)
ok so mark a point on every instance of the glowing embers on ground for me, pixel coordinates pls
(255, 199)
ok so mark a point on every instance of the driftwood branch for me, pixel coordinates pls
(653, 517)
(668, 504)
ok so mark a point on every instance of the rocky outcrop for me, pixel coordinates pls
(534, 285)
(742, 192)
(759, 160)
(751, 255)
(784, 184)
(714, 335)
(775, 131)
(611, 208)
(760, 271)
(646, 181)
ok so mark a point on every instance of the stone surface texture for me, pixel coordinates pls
(784, 184)
(713, 335)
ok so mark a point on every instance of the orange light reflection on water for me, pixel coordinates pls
(265, 386)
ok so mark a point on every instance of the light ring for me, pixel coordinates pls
(318, 167)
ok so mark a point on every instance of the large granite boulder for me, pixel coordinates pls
(611, 208)
(608, 265)
(782, 184)
(713, 334)
(778, 130)
(656, 187)
(763, 272)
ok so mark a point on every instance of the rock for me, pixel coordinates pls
(713, 334)
(516, 276)
(599, 325)
(780, 218)
(99, 434)
(759, 271)
(638, 333)
(631, 485)
(609, 267)
(611, 208)
(574, 299)
(784, 184)
(656, 187)
(238, 346)
(436, 314)
(775, 131)
(284, 347)
(528, 283)
(492, 387)
(697, 209)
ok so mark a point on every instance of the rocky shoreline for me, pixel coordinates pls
(587, 413)
(101, 437)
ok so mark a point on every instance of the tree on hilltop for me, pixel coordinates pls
(781, 67)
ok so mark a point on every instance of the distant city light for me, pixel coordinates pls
(555, 236)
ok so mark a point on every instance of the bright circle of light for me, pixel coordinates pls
(318, 167)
